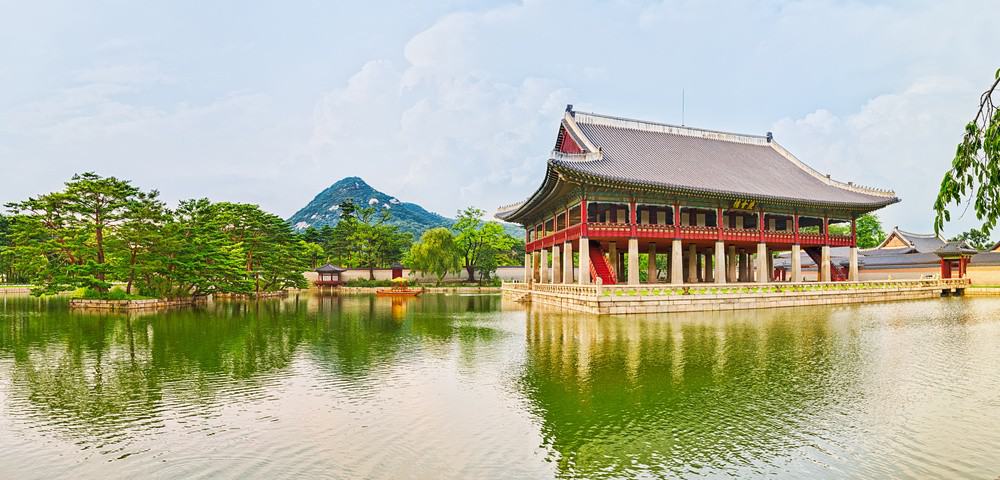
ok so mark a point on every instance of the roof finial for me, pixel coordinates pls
(569, 108)
(770, 136)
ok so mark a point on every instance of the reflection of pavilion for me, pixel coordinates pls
(623, 397)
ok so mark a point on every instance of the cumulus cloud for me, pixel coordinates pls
(902, 140)
(451, 105)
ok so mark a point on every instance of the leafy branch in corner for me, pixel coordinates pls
(975, 170)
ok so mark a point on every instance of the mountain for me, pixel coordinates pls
(324, 208)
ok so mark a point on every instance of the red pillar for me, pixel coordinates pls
(632, 217)
(583, 216)
(826, 230)
(718, 222)
(760, 225)
(945, 268)
(795, 227)
(677, 220)
(854, 231)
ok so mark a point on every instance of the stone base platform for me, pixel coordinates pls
(82, 303)
(662, 298)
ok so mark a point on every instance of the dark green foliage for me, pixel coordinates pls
(483, 246)
(975, 170)
(869, 230)
(975, 238)
(99, 231)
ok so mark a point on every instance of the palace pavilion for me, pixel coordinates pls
(708, 206)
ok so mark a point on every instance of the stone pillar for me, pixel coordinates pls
(676, 262)
(762, 273)
(796, 263)
(633, 261)
(741, 268)
(556, 264)
(567, 263)
(583, 276)
(853, 272)
(732, 263)
(613, 260)
(700, 267)
(651, 264)
(824, 268)
(543, 262)
(709, 267)
(692, 263)
(527, 268)
(720, 262)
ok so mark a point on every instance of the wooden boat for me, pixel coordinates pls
(399, 292)
(400, 288)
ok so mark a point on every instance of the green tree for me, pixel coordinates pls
(140, 236)
(482, 245)
(373, 242)
(69, 229)
(975, 169)
(975, 238)
(435, 254)
(274, 258)
(869, 231)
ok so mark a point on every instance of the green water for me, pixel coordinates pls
(471, 387)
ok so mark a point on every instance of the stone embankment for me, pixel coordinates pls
(638, 299)
(89, 304)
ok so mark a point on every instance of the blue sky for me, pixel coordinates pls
(453, 103)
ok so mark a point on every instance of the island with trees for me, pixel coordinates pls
(104, 238)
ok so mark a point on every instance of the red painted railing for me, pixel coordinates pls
(687, 232)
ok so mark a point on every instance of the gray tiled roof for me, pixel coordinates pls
(922, 242)
(669, 156)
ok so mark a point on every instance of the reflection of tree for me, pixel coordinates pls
(365, 333)
(679, 396)
(93, 373)
(101, 375)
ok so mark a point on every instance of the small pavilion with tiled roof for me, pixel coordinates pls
(329, 276)
(715, 204)
(955, 258)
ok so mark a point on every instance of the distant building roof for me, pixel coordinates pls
(919, 242)
(328, 268)
(625, 153)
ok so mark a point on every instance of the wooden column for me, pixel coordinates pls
(583, 224)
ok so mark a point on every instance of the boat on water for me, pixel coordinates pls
(400, 288)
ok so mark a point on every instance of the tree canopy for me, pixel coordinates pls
(975, 169)
(435, 254)
(975, 238)
(482, 245)
(98, 231)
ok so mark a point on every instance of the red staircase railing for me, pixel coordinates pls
(599, 266)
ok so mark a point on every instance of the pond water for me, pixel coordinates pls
(449, 386)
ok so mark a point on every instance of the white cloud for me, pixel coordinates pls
(904, 141)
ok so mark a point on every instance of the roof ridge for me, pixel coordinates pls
(921, 235)
(849, 186)
(659, 127)
(758, 140)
